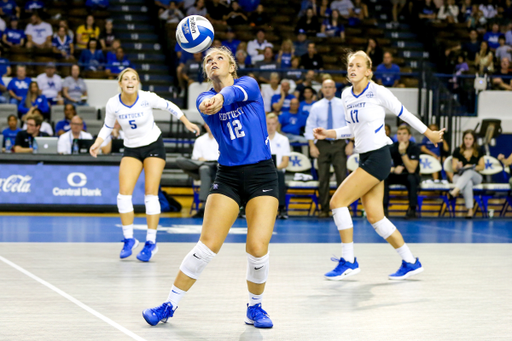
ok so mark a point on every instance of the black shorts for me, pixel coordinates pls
(376, 162)
(242, 183)
(155, 149)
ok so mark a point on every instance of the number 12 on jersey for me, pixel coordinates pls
(356, 113)
(236, 129)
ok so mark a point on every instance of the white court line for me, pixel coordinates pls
(74, 300)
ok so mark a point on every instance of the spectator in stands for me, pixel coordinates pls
(116, 66)
(12, 35)
(231, 43)
(301, 44)
(398, 6)
(477, 20)
(309, 23)
(32, 6)
(256, 47)
(9, 8)
(387, 129)
(405, 157)
(427, 147)
(33, 99)
(360, 13)
(68, 143)
(216, 10)
(387, 73)
(111, 54)
(217, 43)
(63, 44)
(199, 8)
(307, 103)
(5, 68)
(18, 86)
(345, 7)
(426, 11)
(281, 101)
(38, 32)
(468, 160)
(312, 60)
(508, 35)
(202, 166)
(86, 32)
(50, 84)
(94, 5)
(64, 23)
(45, 126)
(25, 139)
(293, 123)
(492, 37)
(449, 12)
(74, 88)
(503, 51)
(489, 10)
(308, 81)
(465, 11)
(280, 147)
(374, 51)
(460, 68)
(266, 65)
(107, 37)
(294, 74)
(333, 27)
(284, 58)
(241, 59)
(470, 48)
(259, 17)
(162, 6)
(235, 15)
(10, 133)
(182, 57)
(3, 89)
(267, 92)
(173, 14)
(63, 126)
(503, 83)
(484, 60)
(92, 58)
(324, 10)
(193, 70)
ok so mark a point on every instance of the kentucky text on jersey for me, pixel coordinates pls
(357, 105)
(232, 114)
(131, 116)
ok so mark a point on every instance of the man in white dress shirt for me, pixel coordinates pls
(202, 166)
(67, 140)
(328, 113)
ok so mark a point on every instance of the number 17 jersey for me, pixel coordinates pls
(240, 127)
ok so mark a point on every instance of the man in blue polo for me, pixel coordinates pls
(387, 72)
(18, 86)
(115, 66)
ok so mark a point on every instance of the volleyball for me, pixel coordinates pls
(194, 34)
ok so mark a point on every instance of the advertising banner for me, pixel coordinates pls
(63, 184)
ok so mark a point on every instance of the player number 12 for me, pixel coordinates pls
(237, 128)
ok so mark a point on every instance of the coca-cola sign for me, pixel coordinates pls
(16, 184)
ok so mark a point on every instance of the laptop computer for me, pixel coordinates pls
(47, 145)
(117, 146)
(84, 146)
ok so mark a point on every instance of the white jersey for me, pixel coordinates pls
(137, 120)
(365, 115)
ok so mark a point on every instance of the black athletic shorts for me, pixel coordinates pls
(155, 149)
(242, 183)
(376, 162)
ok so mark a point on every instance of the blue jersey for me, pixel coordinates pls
(4, 63)
(19, 86)
(34, 4)
(240, 127)
(63, 45)
(10, 135)
(14, 36)
(8, 7)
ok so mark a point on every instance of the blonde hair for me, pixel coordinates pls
(120, 77)
(272, 115)
(363, 54)
(226, 52)
(287, 44)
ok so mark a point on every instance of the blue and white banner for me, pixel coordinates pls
(63, 184)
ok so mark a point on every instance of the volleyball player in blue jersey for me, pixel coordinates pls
(233, 109)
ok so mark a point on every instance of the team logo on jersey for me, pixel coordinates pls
(145, 104)
(370, 94)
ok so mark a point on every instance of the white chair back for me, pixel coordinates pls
(353, 162)
(447, 165)
(298, 163)
(492, 166)
(429, 164)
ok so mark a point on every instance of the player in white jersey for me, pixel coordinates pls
(144, 149)
(365, 103)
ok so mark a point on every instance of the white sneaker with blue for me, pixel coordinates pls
(407, 270)
(147, 252)
(158, 314)
(129, 245)
(343, 270)
(258, 317)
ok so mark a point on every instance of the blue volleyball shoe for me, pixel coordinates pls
(343, 270)
(158, 314)
(147, 252)
(129, 245)
(258, 317)
(407, 270)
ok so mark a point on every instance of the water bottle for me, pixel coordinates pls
(8, 146)
(34, 146)
(75, 146)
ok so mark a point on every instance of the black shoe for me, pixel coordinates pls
(199, 213)
(411, 213)
(282, 214)
(241, 214)
(324, 214)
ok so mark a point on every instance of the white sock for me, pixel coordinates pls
(151, 236)
(175, 296)
(347, 252)
(128, 231)
(255, 299)
(406, 254)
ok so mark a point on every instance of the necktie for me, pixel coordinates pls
(329, 117)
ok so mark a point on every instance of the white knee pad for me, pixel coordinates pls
(257, 269)
(384, 228)
(152, 204)
(124, 203)
(196, 260)
(342, 218)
